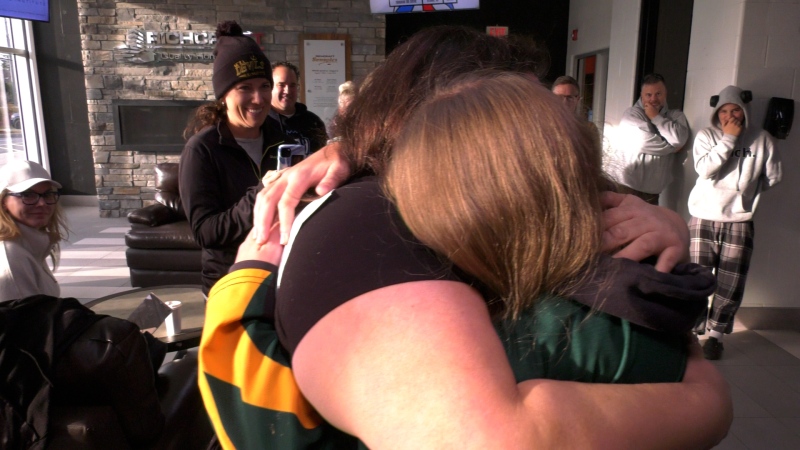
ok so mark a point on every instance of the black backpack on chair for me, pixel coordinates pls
(33, 333)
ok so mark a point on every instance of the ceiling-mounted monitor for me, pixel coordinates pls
(407, 6)
(38, 10)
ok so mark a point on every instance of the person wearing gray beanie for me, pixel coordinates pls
(230, 147)
(735, 162)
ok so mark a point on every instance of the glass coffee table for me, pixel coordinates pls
(193, 311)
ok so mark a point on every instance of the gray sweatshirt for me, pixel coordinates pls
(645, 149)
(732, 172)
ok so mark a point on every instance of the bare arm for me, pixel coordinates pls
(419, 365)
(325, 169)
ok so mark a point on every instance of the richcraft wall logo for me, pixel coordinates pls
(143, 47)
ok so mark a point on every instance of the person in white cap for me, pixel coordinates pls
(32, 226)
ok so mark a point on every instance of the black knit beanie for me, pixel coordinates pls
(236, 58)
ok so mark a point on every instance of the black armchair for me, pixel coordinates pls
(161, 247)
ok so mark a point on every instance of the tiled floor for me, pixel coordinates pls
(93, 259)
(762, 367)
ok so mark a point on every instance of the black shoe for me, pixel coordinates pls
(712, 349)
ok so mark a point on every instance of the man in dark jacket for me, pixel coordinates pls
(291, 116)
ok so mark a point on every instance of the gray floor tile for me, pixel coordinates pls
(759, 349)
(744, 406)
(766, 389)
(788, 340)
(788, 374)
(765, 434)
(731, 442)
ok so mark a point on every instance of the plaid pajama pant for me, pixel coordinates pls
(724, 247)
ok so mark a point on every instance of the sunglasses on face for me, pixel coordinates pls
(32, 198)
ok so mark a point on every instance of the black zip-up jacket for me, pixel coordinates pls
(303, 126)
(218, 185)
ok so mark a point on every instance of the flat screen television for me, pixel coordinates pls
(38, 10)
(407, 6)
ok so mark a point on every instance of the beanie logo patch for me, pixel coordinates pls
(249, 69)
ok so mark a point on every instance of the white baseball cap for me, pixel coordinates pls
(19, 176)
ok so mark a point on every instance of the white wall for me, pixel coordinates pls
(613, 25)
(752, 44)
(713, 60)
(592, 19)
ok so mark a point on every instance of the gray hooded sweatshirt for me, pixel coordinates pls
(732, 171)
(645, 149)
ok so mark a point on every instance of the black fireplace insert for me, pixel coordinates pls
(152, 125)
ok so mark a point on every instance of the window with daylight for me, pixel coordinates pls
(21, 131)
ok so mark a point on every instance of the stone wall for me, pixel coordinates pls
(125, 179)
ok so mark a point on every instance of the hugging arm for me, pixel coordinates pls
(419, 365)
(643, 229)
(324, 170)
(636, 230)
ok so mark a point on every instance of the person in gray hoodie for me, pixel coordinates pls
(647, 139)
(735, 162)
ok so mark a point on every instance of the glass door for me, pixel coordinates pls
(592, 76)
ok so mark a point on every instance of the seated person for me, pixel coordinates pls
(32, 227)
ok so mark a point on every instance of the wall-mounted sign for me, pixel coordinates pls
(148, 46)
(325, 64)
(142, 47)
(497, 31)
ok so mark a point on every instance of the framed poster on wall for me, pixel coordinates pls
(324, 65)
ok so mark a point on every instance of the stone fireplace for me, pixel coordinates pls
(147, 63)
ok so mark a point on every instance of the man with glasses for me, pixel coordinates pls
(647, 139)
(568, 90)
(31, 228)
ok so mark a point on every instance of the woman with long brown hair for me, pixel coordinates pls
(392, 285)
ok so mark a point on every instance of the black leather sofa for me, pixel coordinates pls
(161, 248)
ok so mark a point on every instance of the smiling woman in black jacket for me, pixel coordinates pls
(229, 149)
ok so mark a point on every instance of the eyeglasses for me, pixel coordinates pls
(569, 97)
(32, 198)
